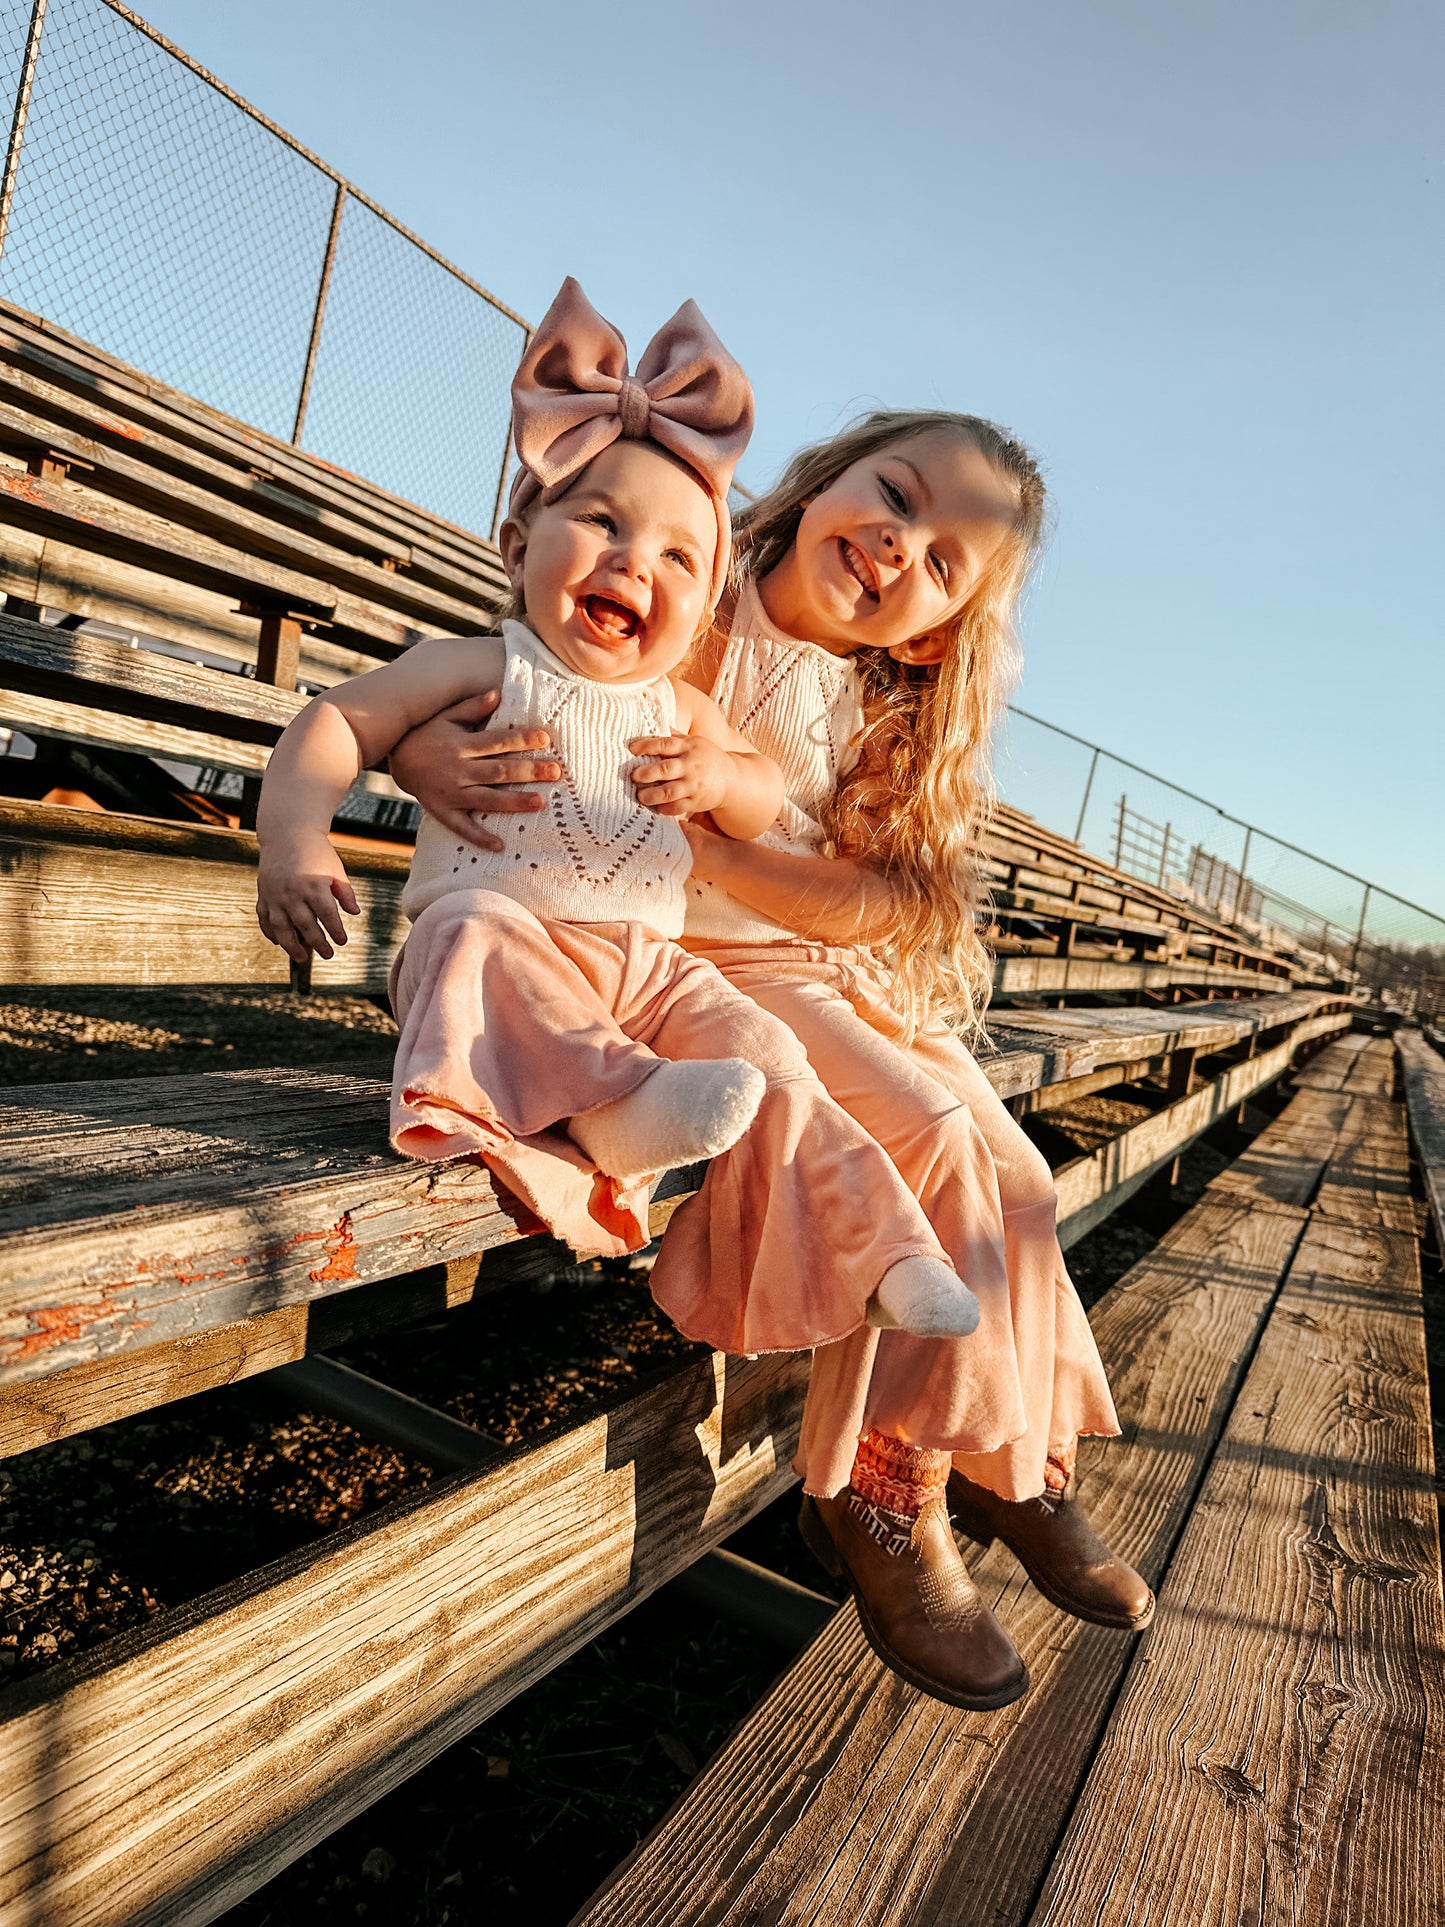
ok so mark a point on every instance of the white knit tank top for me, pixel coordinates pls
(802, 706)
(594, 854)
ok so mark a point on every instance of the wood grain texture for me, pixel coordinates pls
(254, 1190)
(1060, 976)
(69, 722)
(848, 1796)
(190, 502)
(95, 898)
(1073, 1044)
(48, 661)
(161, 1781)
(1423, 1071)
(101, 588)
(37, 1411)
(1277, 1754)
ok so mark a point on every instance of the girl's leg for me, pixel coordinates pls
(1030, 1378)
(797, 1225)
(1018, 1490)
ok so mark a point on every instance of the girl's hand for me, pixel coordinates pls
(453, 770)
(298, 888)
(682, 775)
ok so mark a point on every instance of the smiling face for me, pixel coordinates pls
(615, 573)
(890, 551)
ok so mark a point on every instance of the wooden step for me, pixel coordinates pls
(134, 1212)
(1278, 1751)
(1424, 1078)
(173, 1771)
(848, 1796)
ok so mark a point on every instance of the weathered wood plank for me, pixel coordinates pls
(47, 661)
(37, 1411)
(95, 898)
(129, 474)
(1278, 1755)
(1423, 1071)
(1093, 1187)
(138, 402)
(175, 1771)
(1073, 976)
(1071, 1045)
(255, 1190)
(847, 1796)
(100, 588)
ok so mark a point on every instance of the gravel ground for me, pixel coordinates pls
(168, 1033)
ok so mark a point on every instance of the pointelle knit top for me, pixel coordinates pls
(594, 854)
(801, 705)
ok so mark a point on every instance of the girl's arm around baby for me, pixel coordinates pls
(301, 881)
(708, 767)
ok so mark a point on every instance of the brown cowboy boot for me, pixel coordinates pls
(920, 1611)
(1059, 1550)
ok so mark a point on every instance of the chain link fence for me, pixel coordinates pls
(152, 211)
(1340, 924)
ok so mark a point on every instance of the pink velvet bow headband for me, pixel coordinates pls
(573, 396)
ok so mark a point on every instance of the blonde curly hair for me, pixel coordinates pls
(914, 805)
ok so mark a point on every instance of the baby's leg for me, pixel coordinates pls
(504, 1036)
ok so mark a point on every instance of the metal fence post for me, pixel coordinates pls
(1119, 833)
(323, 289)
(1360, 932)
(1088, 791)
(28, 65)
(1242, 885)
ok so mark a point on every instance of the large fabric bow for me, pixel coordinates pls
(573, 396)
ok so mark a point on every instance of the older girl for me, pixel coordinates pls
(867, 647)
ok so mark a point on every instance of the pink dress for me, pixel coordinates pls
(1029, 1382)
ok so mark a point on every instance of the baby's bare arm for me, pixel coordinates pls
(320, 755)
(708, 767)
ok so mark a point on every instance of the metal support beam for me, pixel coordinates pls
(379, 1412)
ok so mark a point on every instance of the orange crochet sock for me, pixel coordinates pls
(890, 1485)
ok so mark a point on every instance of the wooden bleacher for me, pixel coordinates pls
(1272, 1749)
(259, 1220)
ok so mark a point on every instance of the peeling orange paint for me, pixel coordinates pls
(132, 434)
(340, 1266)
(30, 488)
(60, 1325)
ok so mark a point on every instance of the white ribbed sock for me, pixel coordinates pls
(922, 1295)
(683, 1112)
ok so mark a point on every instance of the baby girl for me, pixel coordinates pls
(550, 1022)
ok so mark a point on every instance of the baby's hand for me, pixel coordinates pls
(682, 775)
(298, 888)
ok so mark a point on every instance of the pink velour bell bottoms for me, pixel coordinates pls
(511, 1024)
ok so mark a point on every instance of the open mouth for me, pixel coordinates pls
(614, 621)
(856, 563)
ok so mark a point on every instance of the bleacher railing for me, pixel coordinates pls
(150, 209)
(1347, 925)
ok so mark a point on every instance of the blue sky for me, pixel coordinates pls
(1193, 256)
